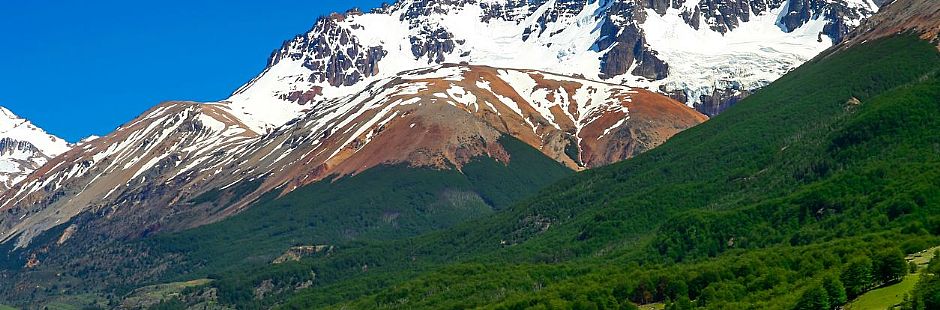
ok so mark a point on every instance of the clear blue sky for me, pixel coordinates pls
(78, 68)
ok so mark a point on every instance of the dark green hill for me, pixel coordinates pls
(835, 161)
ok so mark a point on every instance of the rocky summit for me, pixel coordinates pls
(705, 53)
(24, 148)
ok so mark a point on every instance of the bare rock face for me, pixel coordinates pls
(433, 45)
(297, 252)
(344, 97)
(19, 159)
(446, 116)
(362, 90)
(713, 103)
(800, 11)
(719, 100)
(843, 16)
(626, 44)
(183, 164)
(726, 15)
(332, 53)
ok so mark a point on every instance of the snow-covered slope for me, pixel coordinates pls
(142, 178)
(24, 148)
(707, 53)
(152, 160)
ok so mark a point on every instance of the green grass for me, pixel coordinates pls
(893, 295)
(79, 301)
(743, 211)
(885, 297)
(154, 294)
(653, 306)
(923, 258)
(60, 306)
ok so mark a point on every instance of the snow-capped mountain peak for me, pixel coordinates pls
(24, 148)
(706, 53)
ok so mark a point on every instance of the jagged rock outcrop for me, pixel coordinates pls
(297, 252)
(324, 98)
(333, 54)
(625, 42)
(432, 45)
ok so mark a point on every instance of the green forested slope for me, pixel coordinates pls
(835, 161)
(378, 205)
(384, 203)
(804, 194)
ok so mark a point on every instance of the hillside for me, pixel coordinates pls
(801, 177)
(792, 186)
(387, 202)
(439, 118)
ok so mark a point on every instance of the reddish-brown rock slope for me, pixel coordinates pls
(140, 178)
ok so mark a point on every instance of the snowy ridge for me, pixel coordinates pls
(17, 128)
(24, 148)
(690, 49)
(124, 167)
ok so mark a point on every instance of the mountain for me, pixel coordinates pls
(142, 161)
(148, 171)
(324, 75)
(833, 164)
(420, 151)
(24, 148)
(706, 53)
(376, 127)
